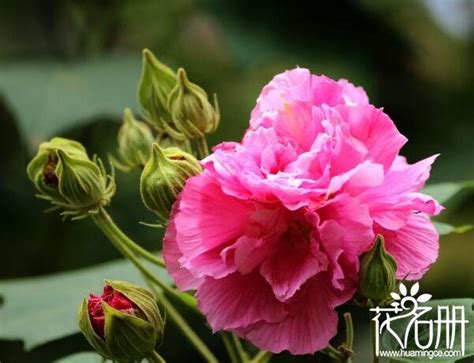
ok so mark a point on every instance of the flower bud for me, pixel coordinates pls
(134, 141)
(156, 82)
(42, 168)
(64, 175)
(377, 272)
(190, 109)
(164, 177)
(123, 323)
(165, 140)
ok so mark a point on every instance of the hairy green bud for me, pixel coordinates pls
(377, 272)
(164, 176)
(192, 113)
(123, 323)
(64, 175)
(156, 82)
(134, 142)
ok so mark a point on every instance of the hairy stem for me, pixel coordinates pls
(156, 358)
(116, 236)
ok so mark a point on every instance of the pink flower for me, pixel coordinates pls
(270, 234)
(113, 298)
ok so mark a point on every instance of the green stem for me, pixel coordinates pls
(261, 357)
(144, 253)
(119, 240)
(240, 349)
(115, 235)
(349, 331)
(234, 348)
(156, 358)
(203, 149)
(187, 331)
(125, 240)
(231, 351)
(375, 358)
(334, 353)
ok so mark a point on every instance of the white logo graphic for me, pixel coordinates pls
(439, 334)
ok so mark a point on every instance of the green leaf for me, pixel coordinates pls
(40, 309)
(388, 342)
(443, 192)
(445, 228)
(88, 357)
(49, 96)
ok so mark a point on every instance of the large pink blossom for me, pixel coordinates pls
(270, 234)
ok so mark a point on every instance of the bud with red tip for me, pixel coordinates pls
(123, 323)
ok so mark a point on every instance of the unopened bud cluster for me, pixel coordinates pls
(173, 104)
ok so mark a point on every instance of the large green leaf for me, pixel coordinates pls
(40, 309)
(388, 342)
(49, 96)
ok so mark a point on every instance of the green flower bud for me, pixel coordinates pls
(123, 323)
(156, 82)
(165, 140)
(164, 177)
(377, 272)
(64, 175)
(134, 140)
(190, 109)
(42, 168)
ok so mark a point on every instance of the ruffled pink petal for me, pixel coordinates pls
(171, 254)
(393, 201)
(344, 266)
(310, 324)
(291, 85)
(414, 247)
(210, 263)
(376, 130)
(237, 301)
(207, 218)
(354, 220)
(364, 176)
(296, 258)
(426, 204)
(406, 177)
(353, 96)
(326, 91)
(247, 253)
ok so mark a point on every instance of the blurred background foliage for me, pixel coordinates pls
(70, 67)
